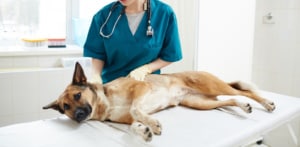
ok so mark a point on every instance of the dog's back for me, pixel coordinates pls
(158, 92)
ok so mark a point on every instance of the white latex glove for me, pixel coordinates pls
(140, 72)
(96, 79)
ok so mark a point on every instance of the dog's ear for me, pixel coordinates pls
(79, 77)
(54, 105)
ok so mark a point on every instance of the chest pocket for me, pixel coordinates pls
(152, 45)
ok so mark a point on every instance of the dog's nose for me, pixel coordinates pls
(80, 115)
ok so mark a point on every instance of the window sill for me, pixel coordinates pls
(40, 51)
(25, 58)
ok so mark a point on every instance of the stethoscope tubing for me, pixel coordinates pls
(113, 29)
(149, 28)
(107, 18)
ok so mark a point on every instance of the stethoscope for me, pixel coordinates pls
(147, 7)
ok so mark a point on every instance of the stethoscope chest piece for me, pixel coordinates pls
(150, 31)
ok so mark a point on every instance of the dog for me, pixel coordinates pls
(126, 100)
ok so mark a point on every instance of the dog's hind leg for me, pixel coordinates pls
(208, 84)
(201, 102)
(249, 91)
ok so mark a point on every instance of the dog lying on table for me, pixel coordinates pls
(129, 101)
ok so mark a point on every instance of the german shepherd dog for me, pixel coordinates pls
(126, 100)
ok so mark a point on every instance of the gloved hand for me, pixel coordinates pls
(140, 72)
(96, 78)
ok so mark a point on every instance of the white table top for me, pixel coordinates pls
(181, 127)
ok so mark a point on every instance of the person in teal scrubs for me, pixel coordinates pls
(122, 46)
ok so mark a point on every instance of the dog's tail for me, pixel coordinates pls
(243, 86)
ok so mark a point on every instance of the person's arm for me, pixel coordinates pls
(158, 64)
(140, 72)
(97, 66)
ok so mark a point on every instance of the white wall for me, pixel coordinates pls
(234, 43)
(30, 79)
(276, 53)
(187, 17)
(24, 93)
(226, 30)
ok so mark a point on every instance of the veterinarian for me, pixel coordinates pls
(132, 38)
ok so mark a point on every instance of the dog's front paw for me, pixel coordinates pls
(246, 107)
(142, 130)
(156, 127)
(270, 106)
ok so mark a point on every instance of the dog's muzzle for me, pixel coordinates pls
(81, 113)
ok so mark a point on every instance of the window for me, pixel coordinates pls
(47, 19)
(23, 18)
(81, 22)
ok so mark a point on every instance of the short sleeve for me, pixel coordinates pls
(94, 46)
(171, 49)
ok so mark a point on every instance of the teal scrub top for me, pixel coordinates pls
(123, 52)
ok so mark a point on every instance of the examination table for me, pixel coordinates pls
(182, 127)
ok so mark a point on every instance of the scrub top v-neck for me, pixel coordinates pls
(123, 51)
(134, 20)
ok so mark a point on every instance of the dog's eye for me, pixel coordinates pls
(77, 96)
(66, 106)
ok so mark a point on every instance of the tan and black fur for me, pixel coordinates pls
(126, 100)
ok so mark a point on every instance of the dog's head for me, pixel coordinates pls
(78, 98)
